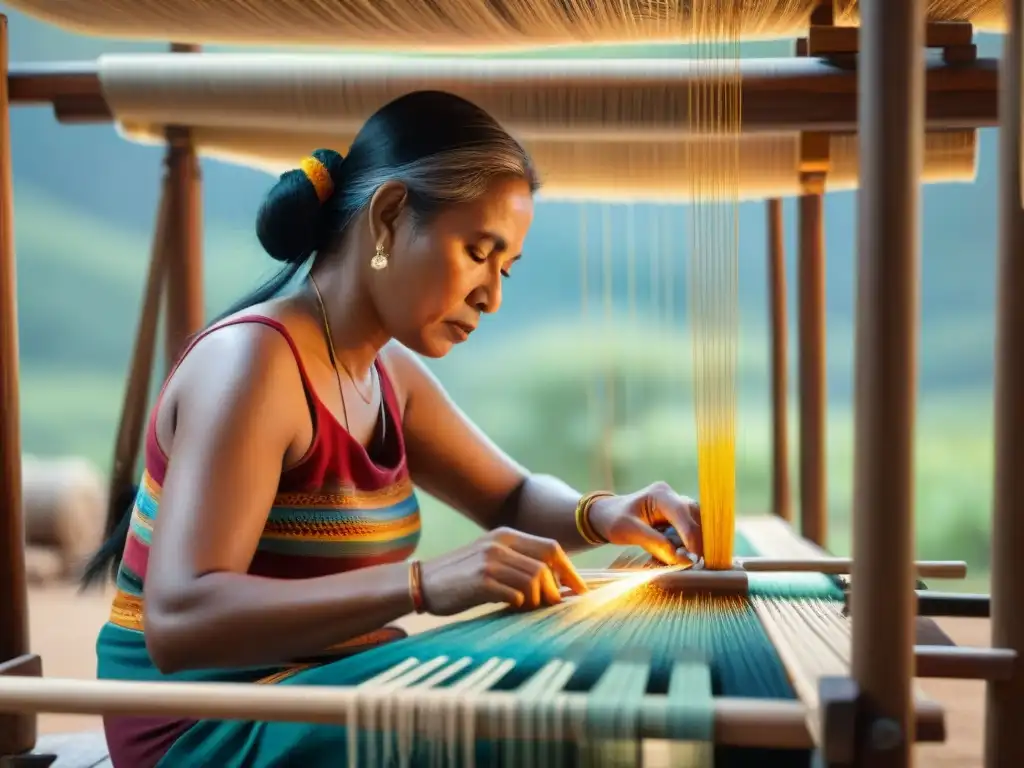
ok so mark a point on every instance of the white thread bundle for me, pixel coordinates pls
(457, 25)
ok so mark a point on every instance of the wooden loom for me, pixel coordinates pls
(869, 719)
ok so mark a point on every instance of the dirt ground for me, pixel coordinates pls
(64, 625)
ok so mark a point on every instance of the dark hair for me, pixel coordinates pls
(443, 148)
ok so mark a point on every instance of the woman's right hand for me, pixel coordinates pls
(504, 565)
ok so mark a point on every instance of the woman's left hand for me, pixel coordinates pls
(640, 519)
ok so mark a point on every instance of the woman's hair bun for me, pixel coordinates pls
(290, 224)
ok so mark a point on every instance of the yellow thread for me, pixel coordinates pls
(714, 162)
(319, 177)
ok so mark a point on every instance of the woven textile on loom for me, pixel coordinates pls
(462, 25)
(619, 645)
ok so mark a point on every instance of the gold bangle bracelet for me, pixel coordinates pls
(419, 603)
(583, 525)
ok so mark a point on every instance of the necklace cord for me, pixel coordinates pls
(335, 363)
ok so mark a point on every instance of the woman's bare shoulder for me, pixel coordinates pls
(239, 365)
(239, 353)
(403, 369)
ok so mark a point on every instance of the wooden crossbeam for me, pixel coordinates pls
(841, 44)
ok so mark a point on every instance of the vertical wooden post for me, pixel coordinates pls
(1004, 747)
(891, 122)
(781, 500)
(185, 245)
(17, 732)
(813, 390)
(184, 304)
(132, 424)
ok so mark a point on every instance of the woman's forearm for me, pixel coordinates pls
(234, 619)
(546, 506)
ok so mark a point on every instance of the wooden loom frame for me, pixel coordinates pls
(867, 722)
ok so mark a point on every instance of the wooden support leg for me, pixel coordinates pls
(132, 424)
(17, 732)
(185, 240)
(891, 126)
(781, 500)
(28, 665)
(1004, 747)
(813, 395)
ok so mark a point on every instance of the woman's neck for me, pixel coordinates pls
(356, 331)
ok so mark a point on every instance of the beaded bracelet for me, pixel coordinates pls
(416, 586)
(583, 525)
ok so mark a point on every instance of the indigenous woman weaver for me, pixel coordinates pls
(276, 516)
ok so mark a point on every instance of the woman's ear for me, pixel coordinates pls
(386, 206)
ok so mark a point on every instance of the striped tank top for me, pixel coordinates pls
(336, 510)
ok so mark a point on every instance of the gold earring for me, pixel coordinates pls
(380, 259)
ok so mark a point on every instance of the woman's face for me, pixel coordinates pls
(443, 276)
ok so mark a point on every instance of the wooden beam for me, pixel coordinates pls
(778, 94)
(812, 374)
(184, 277)
(958, 604)
(782, 504)
(132, 423)
(824, 39)
(1005, 699)
(17, 731)
(737, 722)
(928, 569)
(891, 118)
(39, 84)
(963, 663)
(815, 157)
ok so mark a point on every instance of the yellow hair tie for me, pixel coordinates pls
(319, 177)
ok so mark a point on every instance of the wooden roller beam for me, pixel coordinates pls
(778, 94)
(737, 721)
